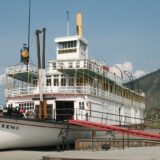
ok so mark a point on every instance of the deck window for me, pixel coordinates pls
(111, 88)
(48, 81)
(81, 105)
(77, 64)
(70, 65)
(82, 46)
(69, 44)
(56, 80)
(71, 81)
(63, 80)
(35, 82)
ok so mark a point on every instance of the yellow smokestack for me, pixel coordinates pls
(79, 25)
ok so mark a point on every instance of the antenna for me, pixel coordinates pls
(29, 17)
(43, 52)
(67, 23)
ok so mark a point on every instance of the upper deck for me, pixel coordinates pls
(86, 68)
(22, 72)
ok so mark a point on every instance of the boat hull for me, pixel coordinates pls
(19, 133)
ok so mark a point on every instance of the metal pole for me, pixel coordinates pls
(93, 136)
(92, 142)
(120, 116)
(123, 140)
(137, 82)
(128, 137)
(29, 17)
(132, 81)
(44, 46)
(67, 23)
(120, 72)
(38, 48)
(40, 74)
(129, 75)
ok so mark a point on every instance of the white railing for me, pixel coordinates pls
(21, 91)
(73, 90)
(98, 68)
(21, 68)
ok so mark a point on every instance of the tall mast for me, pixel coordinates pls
(44, 46)
(39, 74)
(67, 23)
(29, 17)
(38, 48)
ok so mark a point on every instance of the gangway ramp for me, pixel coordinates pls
(105, 127)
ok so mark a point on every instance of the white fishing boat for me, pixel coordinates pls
(72, 87)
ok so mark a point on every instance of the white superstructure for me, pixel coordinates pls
(76, 82)
(74, 87)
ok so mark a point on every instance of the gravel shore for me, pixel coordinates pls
(142, 153)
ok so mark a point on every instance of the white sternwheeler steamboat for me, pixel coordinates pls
(40, 100)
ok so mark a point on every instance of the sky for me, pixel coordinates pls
(125, 33)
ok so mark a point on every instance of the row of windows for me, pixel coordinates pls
(27, 108)
(70, 44)
(23, 105)
(122, 92)
(67, 51)
(26, 104)
(70, 65)
(56, 81)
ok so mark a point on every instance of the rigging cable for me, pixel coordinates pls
(29, 17)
